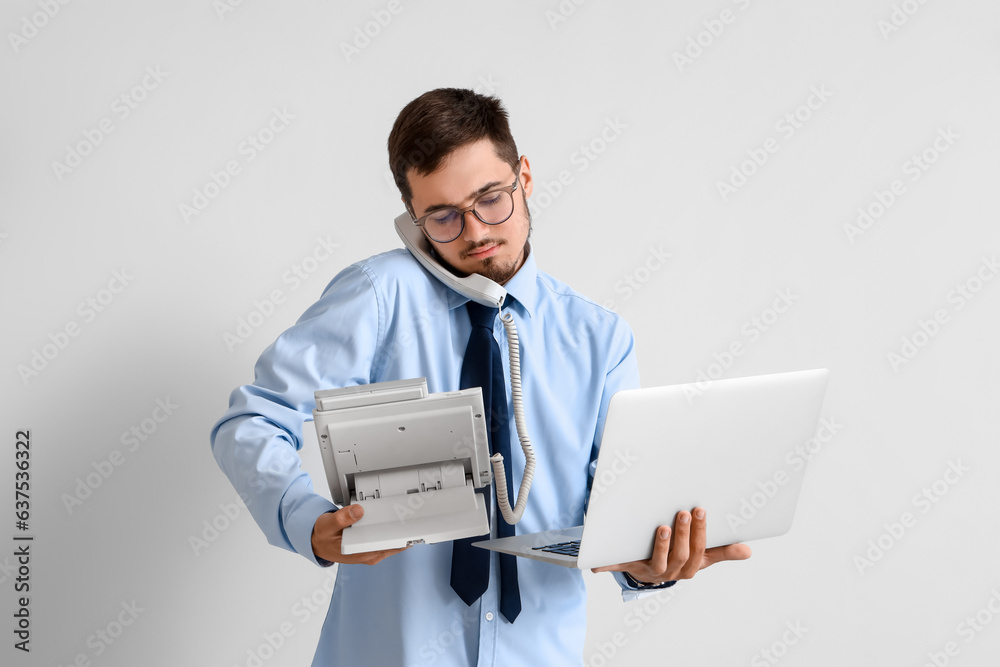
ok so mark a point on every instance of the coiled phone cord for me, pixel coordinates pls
(512, 516)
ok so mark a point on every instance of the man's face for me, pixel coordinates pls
(495, 251)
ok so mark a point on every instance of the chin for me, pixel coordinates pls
(499, 271)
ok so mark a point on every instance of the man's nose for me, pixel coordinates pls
(475, 228)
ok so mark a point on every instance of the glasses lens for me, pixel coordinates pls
(495, 207)
(443, 225)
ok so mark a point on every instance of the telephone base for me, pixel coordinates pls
(429, 517)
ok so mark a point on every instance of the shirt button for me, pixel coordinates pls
(489, 616)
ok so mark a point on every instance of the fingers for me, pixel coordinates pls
(328, 535)
(646, 569)
(346, 516)
(728, 552)
(681, 547)
(696, 544)
(680, 553)
(659, 561)
(621, 567)
(688, 548)
(371, 557)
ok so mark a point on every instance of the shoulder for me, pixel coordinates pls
(386, 273)
(388, 287)
(577, 324)
(560, 296)
(385, 267)
(397, 263)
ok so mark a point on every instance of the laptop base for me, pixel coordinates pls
(529, 545)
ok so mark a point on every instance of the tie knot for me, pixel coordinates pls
(480, 315)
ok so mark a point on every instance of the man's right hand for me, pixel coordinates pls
(328, 532)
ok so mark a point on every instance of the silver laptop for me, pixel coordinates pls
(720, 445)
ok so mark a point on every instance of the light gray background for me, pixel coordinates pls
(681, 131)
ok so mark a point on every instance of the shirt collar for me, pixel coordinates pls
(522, 287)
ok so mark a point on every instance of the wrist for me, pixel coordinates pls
(313, 542)
(642, 585)
(635, 582)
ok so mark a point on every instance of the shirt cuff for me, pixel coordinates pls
(299, 526)
(639, 586)
(633, 590)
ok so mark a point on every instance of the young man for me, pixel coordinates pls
(387, 318)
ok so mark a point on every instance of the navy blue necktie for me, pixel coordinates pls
(482, 367)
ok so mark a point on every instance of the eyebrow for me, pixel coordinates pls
(481, 191)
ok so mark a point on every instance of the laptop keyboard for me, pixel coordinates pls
(564, 548)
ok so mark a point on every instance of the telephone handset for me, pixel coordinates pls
(483, 290)
(478, 288)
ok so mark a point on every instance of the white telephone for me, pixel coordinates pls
(483, 290)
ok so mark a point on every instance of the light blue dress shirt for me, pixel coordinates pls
(387, 318)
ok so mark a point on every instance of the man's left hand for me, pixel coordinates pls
(681, 557)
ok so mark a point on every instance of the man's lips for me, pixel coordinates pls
(485, 251)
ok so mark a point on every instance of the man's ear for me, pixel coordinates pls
(525, 176)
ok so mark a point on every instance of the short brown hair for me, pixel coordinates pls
(431, 127)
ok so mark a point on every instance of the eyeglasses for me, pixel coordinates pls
(491, 208)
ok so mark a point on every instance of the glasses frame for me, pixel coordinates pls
(509, 189)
